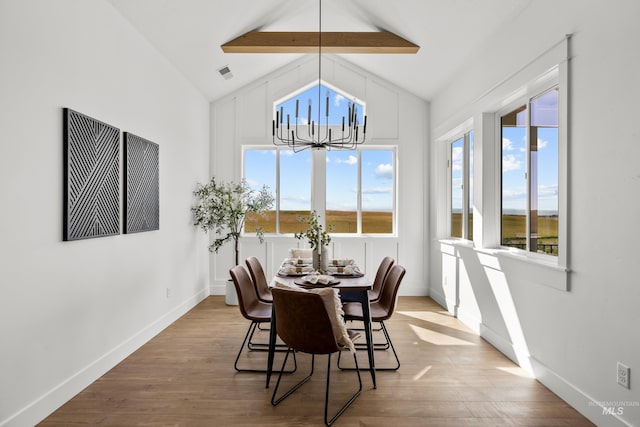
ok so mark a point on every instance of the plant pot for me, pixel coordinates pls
(230, 297)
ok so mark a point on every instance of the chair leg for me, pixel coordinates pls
(389, 343)
(386, 334)
(275, 401)
(247, 337)
(376, 346)
(353, 398)
(262, 346)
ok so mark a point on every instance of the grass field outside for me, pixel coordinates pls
(514, 231)
(339, 222)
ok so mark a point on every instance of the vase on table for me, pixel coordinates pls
(320, 261)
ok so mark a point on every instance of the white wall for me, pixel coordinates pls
(69, 311)
(571, 339)
(395, 117)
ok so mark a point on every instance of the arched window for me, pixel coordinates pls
(359, 196)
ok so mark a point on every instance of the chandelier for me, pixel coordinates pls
(315, 134)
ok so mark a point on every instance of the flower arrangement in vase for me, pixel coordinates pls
(318, 239)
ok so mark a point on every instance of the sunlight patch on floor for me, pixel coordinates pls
(514, 370)
(420, 374)
(437, 338)
(440, 319)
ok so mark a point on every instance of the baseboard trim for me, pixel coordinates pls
(590, 408)
(42, 407)
(575, 397)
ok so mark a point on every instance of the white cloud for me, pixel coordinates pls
(548, 191)
(252, 183)
(507, 144)
(352, 160)
(377, 190)
(510, 163)
(384, 170)
(339, 99)
(514, 194)
(542, 143)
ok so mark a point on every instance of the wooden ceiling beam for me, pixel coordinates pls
(307, 42)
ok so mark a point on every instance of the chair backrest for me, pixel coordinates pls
(259, 279)
(389, 294)
(378, 282)
(302, 321)
(247, 298)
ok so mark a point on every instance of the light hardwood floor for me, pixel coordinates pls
(185, 377)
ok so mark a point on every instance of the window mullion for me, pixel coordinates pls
(278, 191)
(465, 186)
(359, 196)
(529, 176)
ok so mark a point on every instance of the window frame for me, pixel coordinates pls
(543, 85)
(318, 202)
(467, 182)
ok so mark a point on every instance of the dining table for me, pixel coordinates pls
(352, 288)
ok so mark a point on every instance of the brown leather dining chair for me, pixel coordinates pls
(381, 310)
(252, 309)
(259, 279)
(304, 324)
(383, 269)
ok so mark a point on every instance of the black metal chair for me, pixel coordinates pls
(252, 309)
(381, 310)
(304, 324)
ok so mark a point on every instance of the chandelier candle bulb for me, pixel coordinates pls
(323, 138)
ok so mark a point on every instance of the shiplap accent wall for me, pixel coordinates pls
(395, 117)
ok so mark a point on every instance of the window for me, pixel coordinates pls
(529, 175)
(359, 184)
(461, 196)
(360, 189)
(334, 102)
(288, 176)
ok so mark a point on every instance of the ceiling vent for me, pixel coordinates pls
(225, 72)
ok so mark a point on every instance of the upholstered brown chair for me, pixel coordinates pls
(381, 310)
(381, 274)
(252, 309)
(305, 323)
(259, 279)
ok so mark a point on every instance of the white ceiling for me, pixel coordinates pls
(189, 34)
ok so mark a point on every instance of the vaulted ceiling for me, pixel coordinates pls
(189, 34)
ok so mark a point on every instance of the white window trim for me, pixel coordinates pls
(487, 178)
(466, 209)
(318, 188)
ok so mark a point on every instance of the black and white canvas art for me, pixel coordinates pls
(91, 177)
(142, 200)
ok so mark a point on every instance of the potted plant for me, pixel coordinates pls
(222, 207)
(318, 239)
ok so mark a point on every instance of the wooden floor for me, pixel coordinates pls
(185, 377)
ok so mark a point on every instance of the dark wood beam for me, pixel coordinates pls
(307, 42)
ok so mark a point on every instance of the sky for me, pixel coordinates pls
(342, 165)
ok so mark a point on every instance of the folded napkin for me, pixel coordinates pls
(292, 269)
(295, 261)
(342, 262)
(349, 269)
(318, 278)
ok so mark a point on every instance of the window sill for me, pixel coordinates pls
(526, 268)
